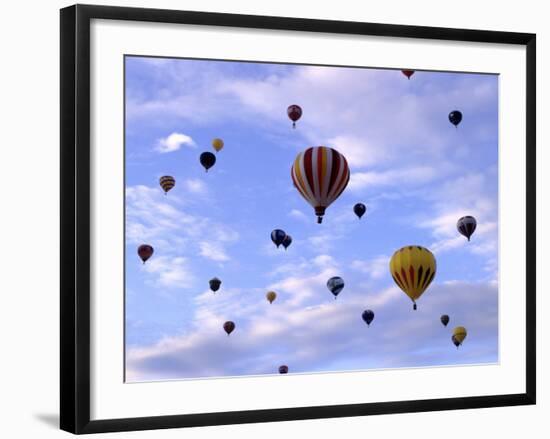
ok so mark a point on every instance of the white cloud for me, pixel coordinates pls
(172, 272)
(195, 186)
(213, 251)
(376, 268)
(396, 177)
(174, 142)
(299, 215)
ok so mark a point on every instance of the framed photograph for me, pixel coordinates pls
(268, 219)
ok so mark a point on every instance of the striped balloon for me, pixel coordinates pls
(320, 174)
(166, 183)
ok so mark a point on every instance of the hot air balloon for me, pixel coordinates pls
(413, 269)
(283, 369)
(217, 144)
(271, 296)
(459, 334)
(466, 226)
(215, 284)
(229, 327)
(444, 319)
(145, 251)
(294, 113)
(278, 236)
(368, 316)
(335, 285)
(408, 73)
(166, 183)
(320, 174)
(455, 117)
(287, 241)
(207, 160)
(359, 209)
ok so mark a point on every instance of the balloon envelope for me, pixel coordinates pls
(335, 285)
(287, 241)
(283, 369)
(278, 236)
(444, 319)
(271, 296)
(466, 226)
(215, 284)
(413, 269)
(320, 174)
(368, 316)
(217, 144)
(167, 182)
(455, 117)
(459, 334)
(408, 73)
(228, 327)
(145, 251)
(294, 113)
(207, 160)
(359, 209)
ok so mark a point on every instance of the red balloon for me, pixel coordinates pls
(145, 252)
(294, 113)
(229, 327)
(408, 73)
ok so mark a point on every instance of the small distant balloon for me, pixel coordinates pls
(278, 236)
(207, 160)
(444, 319)
(408, 73)
(229, 327)
(368, 316)
(466, 226)
(335, 285)
(167, 182)
(283, 369)
(215, 284)
(359, 209)
(145, 251)
(294, 113)
(287, 241)
(271, 296)
(455, 117)
(217, 144)
(459, 334)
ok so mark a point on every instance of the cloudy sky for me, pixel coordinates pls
(416, 173)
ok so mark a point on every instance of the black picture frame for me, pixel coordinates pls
(75, 218)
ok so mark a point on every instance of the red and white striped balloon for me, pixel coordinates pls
(320, 174)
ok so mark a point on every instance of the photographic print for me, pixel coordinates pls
(294, 219)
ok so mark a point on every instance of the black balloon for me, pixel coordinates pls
(283, 369)
(456, 342)
(368, 316)
(228, 327)
(208, 160)
(215, 284)
(445, 319)
(287, 241)
(278, 236)
(455, 117)
(466, 226)
(359, 209)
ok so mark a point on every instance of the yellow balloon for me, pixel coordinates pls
(271, 296)
(217, 144)
(413, 269)
(460, 333)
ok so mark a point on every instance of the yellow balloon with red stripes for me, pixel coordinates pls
(413, 269)
(320, 174)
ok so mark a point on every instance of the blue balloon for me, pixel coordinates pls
(278, 236)
(368, 316)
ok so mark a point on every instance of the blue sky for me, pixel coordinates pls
(416, 173)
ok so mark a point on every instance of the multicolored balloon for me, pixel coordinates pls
(455, 117)
(215, 284)
(278, 236)
(167, 182)
(320, 174)
(408, 73)
(287, 241)
(207, 160)
(368, 316)
(229, 327)
(444, 319)
(335, 285)
(413, 269)
(145, 251)
(294, 113)
(359, 209)
(466, 226)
